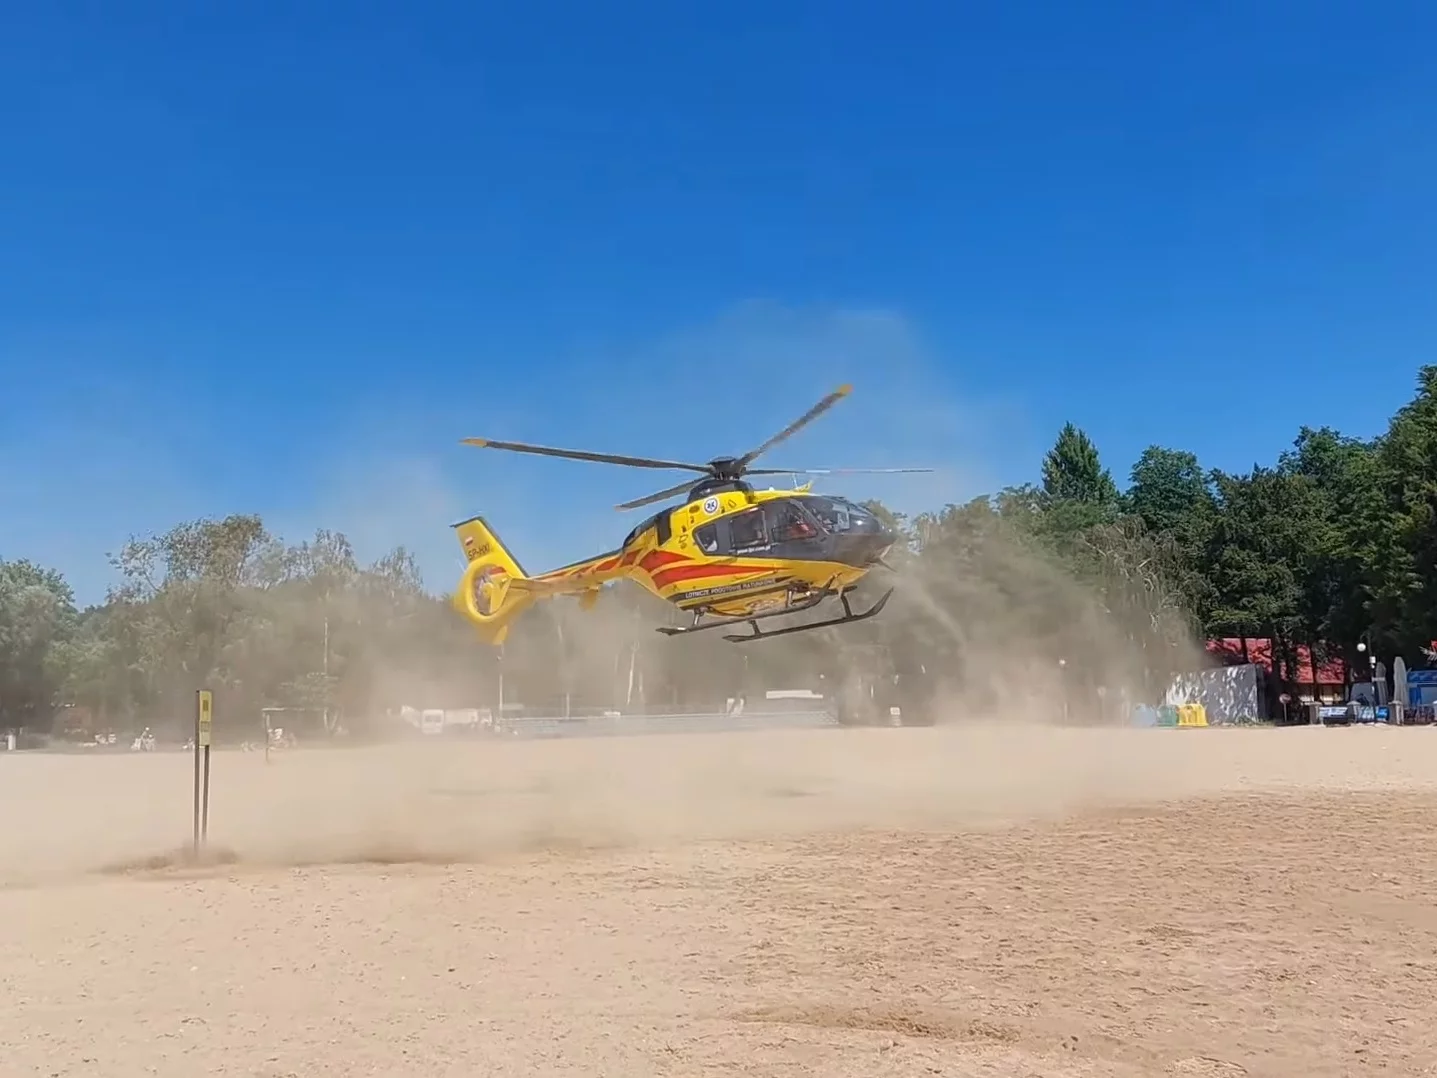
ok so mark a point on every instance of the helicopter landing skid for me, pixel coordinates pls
(848, 617)
(807, 603)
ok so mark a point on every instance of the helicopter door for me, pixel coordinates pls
(788, 522)
(744, 533)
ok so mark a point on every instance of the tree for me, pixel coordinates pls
(1347, 537)
(1269, 540)
(1077, 491)
(1073, 471)
(99, 671)
(181, 601)
(1405, 554)
(1143, 579)
(1169, 491)
(37, 618)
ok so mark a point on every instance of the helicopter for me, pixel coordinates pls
(728, 554)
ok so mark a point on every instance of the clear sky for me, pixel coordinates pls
(282, 257)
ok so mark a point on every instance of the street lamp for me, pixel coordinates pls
(1063, 679)
(1371, 657)
(1379, 684)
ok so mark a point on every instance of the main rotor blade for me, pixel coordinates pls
(580, 454)
(797, 425)
(836, 471)
(681, 488)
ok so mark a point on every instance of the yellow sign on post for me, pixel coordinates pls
(204, 719)
(204, 725)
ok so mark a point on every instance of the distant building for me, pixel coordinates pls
(1327, 684)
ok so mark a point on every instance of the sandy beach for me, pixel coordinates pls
(994, 900)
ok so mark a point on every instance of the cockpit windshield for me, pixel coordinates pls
(838, 515)
(639, 530)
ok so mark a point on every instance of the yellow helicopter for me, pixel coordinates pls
(728, 554)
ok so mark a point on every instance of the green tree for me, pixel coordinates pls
(1073, 471)
(181, 603)
(1169, 491)
(1144, 582)
(99, 671)
(1077, 491)
(37, 618)
(1406, 554)
(1268, 541)
(1348, 536)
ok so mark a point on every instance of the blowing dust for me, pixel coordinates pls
(1014, 637)
(425, 803)
(1008, 643)
(990, 630)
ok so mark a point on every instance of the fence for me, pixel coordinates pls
(614, 724)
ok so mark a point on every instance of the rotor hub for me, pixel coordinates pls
(726, 468)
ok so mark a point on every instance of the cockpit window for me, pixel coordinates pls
(788, 522)
(837, 514)
(746, 529)
(638, 531)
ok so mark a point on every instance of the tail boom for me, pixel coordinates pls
(494, 588)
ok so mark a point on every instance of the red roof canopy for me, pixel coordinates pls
(1259, 650)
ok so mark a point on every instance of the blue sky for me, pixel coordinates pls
(280, 258)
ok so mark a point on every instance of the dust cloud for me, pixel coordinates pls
(1015, 637)
(991, 627)
(475, 802)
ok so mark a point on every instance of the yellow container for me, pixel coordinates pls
(1192, 715)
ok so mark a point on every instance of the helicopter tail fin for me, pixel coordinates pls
(492, 591)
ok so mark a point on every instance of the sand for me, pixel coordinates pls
(978, 901)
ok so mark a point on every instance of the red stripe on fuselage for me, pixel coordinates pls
(677, 573)
(655, 560)
(651, 562)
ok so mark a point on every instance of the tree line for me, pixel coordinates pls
(1332, 545)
